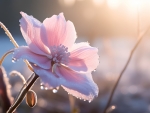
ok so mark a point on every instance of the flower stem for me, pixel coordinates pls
(23, 92)
(123, 70)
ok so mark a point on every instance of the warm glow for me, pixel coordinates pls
(98, 2)
(134, 3)
(113, 3)
(67, 2)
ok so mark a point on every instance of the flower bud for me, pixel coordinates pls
(31, 98)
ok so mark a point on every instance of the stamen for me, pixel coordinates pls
(4, 56)
(59, 54)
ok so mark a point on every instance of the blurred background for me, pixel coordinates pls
(113, 27)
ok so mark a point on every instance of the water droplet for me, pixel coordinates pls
(6, 33)
(84, 100)
(42, 87)
(14, 60)
(94, 70)
(89, 101)
(10, 40)
(54, 90)
(35, 65)
(46, 88)
(113, 107)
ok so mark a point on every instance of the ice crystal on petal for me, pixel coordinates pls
(14, 60)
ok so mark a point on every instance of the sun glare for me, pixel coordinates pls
(133, 5)
(113, 3)
(98, 2)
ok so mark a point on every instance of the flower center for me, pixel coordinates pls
(59, 55)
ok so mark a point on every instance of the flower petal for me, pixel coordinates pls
(33, 33)
(59, 31)
(25, 53)
(83, 57)
(80, 85)
(48, 79)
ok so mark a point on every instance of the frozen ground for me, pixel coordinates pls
(132, 95)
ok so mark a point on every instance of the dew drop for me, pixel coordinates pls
(46, 88)
(42, 87)
(89, 101)
(14, 60)
(54, 90)
(84, 100)
(35, 65)
(94, 70)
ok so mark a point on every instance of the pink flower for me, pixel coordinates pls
(55, 56)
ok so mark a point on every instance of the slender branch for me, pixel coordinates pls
(14, 42)
(23, 92)
(14, 73)
(128, 61)
(9, 35)
(3, 57)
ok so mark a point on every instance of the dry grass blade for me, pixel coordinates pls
(14, 42)
(123, 70)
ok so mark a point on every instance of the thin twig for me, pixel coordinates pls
(4, 56)
(9, 35)
(14, 42)
(115, 86)
(26, 87)
(14, 73)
